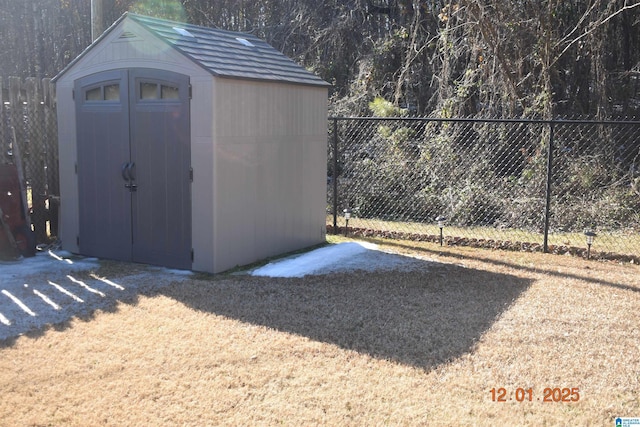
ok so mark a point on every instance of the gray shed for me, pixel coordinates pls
(189, 147)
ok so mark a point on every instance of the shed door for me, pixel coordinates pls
(102, 115)
(159, 103)
(134, 166)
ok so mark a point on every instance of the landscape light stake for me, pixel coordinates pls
(441, 220)
(590, 237)
(347, 216)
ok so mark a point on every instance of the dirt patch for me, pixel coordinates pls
(421, 347)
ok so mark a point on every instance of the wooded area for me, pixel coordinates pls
(447, 58)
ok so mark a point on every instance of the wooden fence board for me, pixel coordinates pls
(28, 106)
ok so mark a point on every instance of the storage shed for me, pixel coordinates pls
(189, 147)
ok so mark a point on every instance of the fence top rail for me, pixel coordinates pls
(489, 120)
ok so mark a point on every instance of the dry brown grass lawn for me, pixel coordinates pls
(405, 348)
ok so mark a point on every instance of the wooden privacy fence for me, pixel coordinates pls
(28, 120)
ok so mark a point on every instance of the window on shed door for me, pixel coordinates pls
(148, 90)
(169, 92)
(94, 94)
(151, 91)
(112, 92)
(109, 92)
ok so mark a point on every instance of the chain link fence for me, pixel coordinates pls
(513, 184)
(28, 130)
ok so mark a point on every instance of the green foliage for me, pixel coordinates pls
(380, 107)
(166, 9)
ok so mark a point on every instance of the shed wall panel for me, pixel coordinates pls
(269, 169)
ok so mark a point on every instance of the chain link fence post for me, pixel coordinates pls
(547, 207)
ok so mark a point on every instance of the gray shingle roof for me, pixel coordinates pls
(222, 53)
(228, 54)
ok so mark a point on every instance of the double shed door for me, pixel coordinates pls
(133, 137)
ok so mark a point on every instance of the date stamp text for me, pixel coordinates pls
(549, 394)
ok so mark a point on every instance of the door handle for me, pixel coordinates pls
(128, 174)
(124, 170)
(131, 171)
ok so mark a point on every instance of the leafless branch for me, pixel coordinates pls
(594, 27)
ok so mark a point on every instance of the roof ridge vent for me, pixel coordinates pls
(245, 42)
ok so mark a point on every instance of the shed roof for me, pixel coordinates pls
(222, 53)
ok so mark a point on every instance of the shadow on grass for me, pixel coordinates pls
(32, 304)
(536, 269)
(420, 318)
